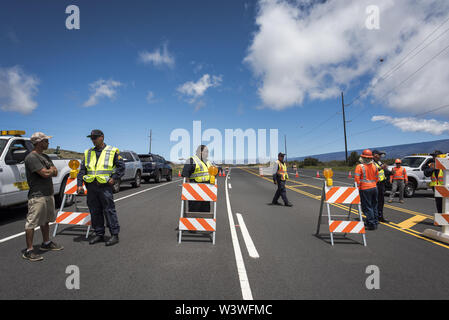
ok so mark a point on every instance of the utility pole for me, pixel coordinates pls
(150, 139)
(344, 125)
(285, 147)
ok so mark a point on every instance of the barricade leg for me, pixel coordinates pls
(329, 217)
(60, 209)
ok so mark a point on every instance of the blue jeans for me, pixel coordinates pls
(368, 199)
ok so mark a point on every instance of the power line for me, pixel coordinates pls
(401, 63)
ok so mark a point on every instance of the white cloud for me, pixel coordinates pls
(102, 88)
(305, 49)
(195, 90)
(410, 124)
(17, 90)
(159, 57)
(150, 97)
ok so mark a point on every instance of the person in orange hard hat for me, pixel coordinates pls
(398, 179)
(366, 177)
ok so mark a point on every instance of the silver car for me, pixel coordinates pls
(133, 170)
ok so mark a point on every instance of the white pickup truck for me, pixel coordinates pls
(414, 166)
(13, 181)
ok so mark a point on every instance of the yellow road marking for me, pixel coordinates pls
(390, 224)
(407, 224)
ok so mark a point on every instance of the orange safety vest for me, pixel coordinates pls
(399, 173)
(282, 170)
(366, 176)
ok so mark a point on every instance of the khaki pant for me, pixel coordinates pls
(397, 184)
(41, 210)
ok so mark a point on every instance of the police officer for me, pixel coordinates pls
(196, 170)
(382, 169)
(101, 167)
(280, 177)
(436, 179)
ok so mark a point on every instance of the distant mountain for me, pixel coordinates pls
(398, 151)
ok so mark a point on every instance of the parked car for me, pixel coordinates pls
(155, 167)
(133, 170)
(14, 147)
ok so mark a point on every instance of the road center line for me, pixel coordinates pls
(125, 197)
(241, 270)
(252, 251)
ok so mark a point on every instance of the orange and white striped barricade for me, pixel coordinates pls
(198, 192)
(441, 219)
(76, 217)
(342, 195)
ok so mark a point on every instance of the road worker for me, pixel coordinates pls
(398, 179)
(196, 170)
(280, 177)
(381, 168)
(366, 176)
(101, 167)
(437, 176)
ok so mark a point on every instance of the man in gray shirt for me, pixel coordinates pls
(41, 203)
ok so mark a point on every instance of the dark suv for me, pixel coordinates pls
(155, 167)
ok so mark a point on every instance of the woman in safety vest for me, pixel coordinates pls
(436, 176)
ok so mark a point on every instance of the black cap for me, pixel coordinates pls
(436, 153)
(96, 133)
(379, 152)
(281, 154)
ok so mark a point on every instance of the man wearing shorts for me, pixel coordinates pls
(41, 203)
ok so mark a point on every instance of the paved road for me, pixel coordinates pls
(261, 251)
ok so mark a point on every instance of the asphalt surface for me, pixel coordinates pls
(291, 262)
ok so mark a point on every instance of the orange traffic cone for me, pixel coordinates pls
(219, 174)
(224, 173)
(297, 175)
(317, 174)
(350, 175)
(179, 173)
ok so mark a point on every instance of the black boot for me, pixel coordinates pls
(113, 240)
(96, 239)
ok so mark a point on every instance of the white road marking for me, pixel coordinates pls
(252, 251)
(241, 270)
(125, 197)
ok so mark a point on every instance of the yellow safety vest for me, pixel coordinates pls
(282, 171)
(381, 172)
(102, 169)
(437, 181)
(201, 173)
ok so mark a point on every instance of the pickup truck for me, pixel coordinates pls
(13, 182)
(414, 166)
(155, 167)
(133, 170)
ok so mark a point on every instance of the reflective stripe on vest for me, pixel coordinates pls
(282, 170)
(201, 173)
(437, 181)
(100, 169)
(398, 173)
(381, 172)
(364, 180)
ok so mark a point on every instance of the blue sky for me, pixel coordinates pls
(202, 38)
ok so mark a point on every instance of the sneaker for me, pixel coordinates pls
(30, 255)
(51, 246)
(275, 204)
(370, 227)
(390, 201)
(401, 201)
(384, 220)
(288, 205)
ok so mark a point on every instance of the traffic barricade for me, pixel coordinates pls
(197, 192)
(441, 219)
(341, 195)
(77, 217)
